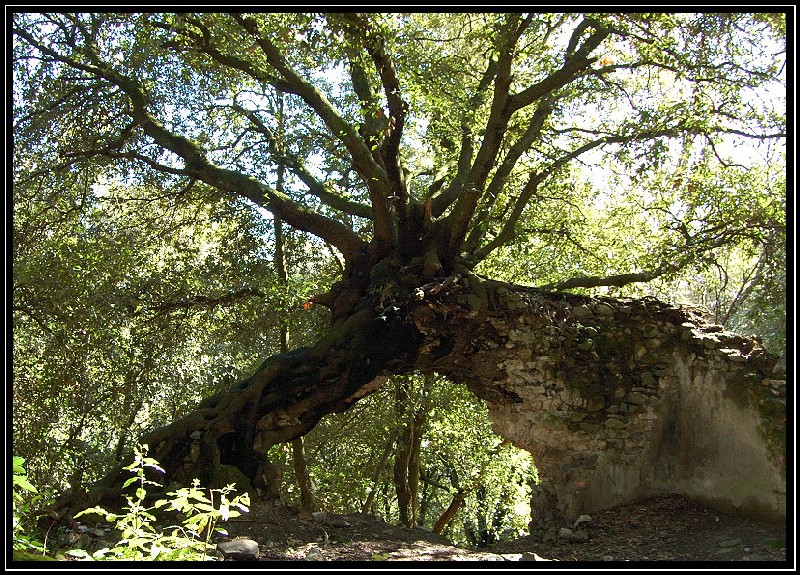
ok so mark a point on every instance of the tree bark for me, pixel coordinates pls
(450, 512)
(308, 498)
(588, 385)
(283, 400)
(377, 473)
(403, 451)
(406, 467)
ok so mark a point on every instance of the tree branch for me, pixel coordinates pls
(201, 300)
(499, 115)
(601, 281)
(374, 177)
(673, 260)
(315, 187)
(572, 69)
(196, 164)
(508, 232)
(374, 44)
(532, 133)
(443, 200)
(202, 44)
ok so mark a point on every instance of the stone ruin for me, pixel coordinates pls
(620, 400)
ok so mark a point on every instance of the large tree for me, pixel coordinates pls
(421, 151)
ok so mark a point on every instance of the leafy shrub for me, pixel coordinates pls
(187, 542)
(20, 540)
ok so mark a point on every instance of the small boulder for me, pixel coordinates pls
(571, 536)
(315, 554)
(339, 522)
(526, 556)
(238, 549)
(580, 520)
(581, 312)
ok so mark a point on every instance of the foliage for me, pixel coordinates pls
(522, 98)
(20, 507)
(140, 538)
(344, 450)
(617, 154)
(121, 324)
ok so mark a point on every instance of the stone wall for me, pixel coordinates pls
(618, 400)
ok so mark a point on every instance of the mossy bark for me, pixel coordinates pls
(586, 384)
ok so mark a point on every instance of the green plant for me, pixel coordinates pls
(140, 538)
(201, 515)
(22, 541)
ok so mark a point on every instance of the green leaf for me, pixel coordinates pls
(150, 462)
(98, 511)
(200, 497)
(24, 483)
(18, 464)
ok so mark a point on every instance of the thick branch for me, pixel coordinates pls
(372, 174)
(532, 133)
(508, 233)
(503, 106)
(576, 62)
(201, 44)
(196, 164)
(442, 201)
(202, 301)
(374, 44)
(398, 108)
(298, 216)
(496, 125)
(673, 261)
(329, 198)
(598, 281)
(499, 113)
(374, 118)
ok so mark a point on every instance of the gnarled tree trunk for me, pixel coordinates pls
(615, 399)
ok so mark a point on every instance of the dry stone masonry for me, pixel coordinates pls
(617, 400)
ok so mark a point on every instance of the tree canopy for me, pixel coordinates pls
(620, 154)
(474, 131)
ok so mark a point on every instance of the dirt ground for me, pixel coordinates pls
(669, 529)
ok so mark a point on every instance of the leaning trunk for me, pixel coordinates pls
(615, 399)
(227, 436)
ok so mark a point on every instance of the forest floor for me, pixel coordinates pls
(661, 529)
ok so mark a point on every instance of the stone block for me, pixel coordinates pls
(614, 423)
(581, 312)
